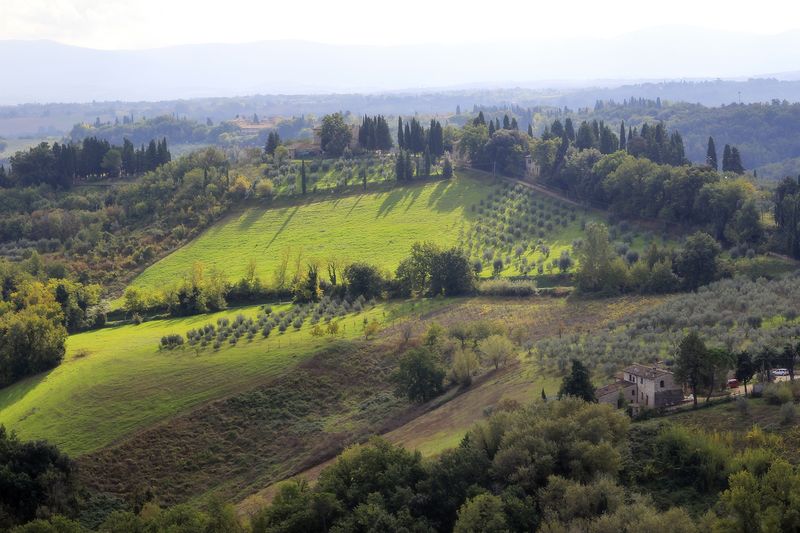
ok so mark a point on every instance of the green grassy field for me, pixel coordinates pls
(377, 227)
(115, 381)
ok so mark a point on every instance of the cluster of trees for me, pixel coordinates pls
(651, 141)
(430, 270)
(637, 187)
(177, 130)
(456, 355)
(555, 466)
(731, 158)
(413, 137)
(601, 269)
(334, 135)
(374, 133)
(498, 479)
(787, 215)
(61, 164)
(406, 167)
(36, 481)
(495, 148)
(36, 313)
(101, 234)
(763, 132)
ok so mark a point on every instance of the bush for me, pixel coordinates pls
(788, 413)
(506, 287)
(171, 341)
(778, 394)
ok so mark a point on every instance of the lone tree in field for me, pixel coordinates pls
(420, 375)
(578, 383)
(690, 362)
(497, 349)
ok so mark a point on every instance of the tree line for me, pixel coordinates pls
(415, 138)
(374, 133)
(61, 164)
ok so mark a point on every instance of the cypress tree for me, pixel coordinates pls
(401, 144)
(479, 120)
(303, 179)
(726, 158)
(711, 154)
(514, 124)
(506, 123)
(530, 129)
(622, 141)
(736, 161)
(408, 167)
(399, 166)
(491, 128)
(569, 129)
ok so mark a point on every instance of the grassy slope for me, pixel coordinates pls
(377, 227)
(114, 381)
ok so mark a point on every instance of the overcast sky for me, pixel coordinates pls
(114, 24)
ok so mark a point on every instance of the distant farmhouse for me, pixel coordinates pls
(642, 387)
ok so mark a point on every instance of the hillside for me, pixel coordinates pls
(115, 381)
(491, 220)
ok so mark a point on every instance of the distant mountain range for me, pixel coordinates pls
(44, 71)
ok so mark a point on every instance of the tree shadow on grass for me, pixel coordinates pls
(283, 226)
(437, 193)
(15, 392)
(392, 199)
(414, 194)
(249, 218)
(358, 201)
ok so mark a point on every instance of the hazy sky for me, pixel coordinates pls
(153, 23)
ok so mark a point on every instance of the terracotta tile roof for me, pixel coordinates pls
(646, 372)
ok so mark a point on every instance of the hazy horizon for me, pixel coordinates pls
(44, 70)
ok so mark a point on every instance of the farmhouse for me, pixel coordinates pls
(642, 386)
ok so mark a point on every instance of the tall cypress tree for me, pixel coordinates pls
(623, 144)
(569, 129)
(726, 158)
(711, 154)
(735, 162)
(530, 129)
(400, 139)
(400, 166)
(303, 179)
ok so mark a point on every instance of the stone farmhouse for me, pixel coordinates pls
(642, 387)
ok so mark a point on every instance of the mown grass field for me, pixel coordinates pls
(376, 227)
(115, 381)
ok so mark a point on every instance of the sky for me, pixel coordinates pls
(126, 24)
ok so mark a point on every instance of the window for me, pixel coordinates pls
(662, 383)
(633, 392)
(641, 381)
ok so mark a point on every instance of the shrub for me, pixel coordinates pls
(171, 341)
(788, 413)
(778, 394)
(506, 287)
